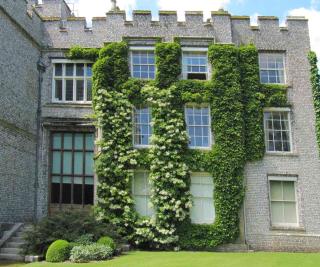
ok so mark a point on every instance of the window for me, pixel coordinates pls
(198, 126)
(202, 210)
(195, 65)
(277, 131)
(72, 168)
(271, 68)
(72, 82)
(142, 126)
(283, 202)
(141, 193)
(143, 64)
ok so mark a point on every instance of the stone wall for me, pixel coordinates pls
(21, 37)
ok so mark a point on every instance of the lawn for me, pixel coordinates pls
(198, 259)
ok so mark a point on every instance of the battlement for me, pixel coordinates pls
(221, 26)
(25, 17)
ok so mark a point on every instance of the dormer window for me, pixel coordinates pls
(143, 63)
(195, 64)
(72, 82)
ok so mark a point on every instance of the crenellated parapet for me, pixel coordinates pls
(221, 27)
(268, 34)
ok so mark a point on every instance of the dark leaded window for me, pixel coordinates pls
(72, 168)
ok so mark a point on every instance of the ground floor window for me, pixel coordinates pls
(202, 210)
(141, 193)
(283, 201)
(72, 179)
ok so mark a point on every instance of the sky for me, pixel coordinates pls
(252, 8)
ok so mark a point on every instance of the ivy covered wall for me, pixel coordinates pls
(236, 100)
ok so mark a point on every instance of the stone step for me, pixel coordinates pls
(16, 239)
(10, 250)
(11, 257)
(13, 244)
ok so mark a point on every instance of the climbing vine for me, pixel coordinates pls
(236, 100)
(315, 83)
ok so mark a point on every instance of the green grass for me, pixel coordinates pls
(198, 259)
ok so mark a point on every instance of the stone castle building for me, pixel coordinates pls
(47, 136)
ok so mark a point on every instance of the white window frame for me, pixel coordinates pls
(134, 126)
(284, 65)
(195, 50)
(204, 105)
(146, 175)
(74, 78)
(137, 49)
(284, 179)
(288, 110)
(203, 174)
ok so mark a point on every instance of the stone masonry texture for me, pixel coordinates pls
(37, 34)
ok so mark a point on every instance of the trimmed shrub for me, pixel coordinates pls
(58, 251)
(93, 252)
(68, 225)
(107, 241)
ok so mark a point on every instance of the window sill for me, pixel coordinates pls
(69, 105)
(200, 148)
(142, 146)
(287, 228)
(282, 154)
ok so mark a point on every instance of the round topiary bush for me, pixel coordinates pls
(58, 251)
(107, 241)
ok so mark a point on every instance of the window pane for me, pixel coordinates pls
(88, 191)
(289, 191)
(89, 70)
(277, 212)
(290, 213)
(55, 189)
(69, 90)
(56, 143)
(78, 141)
(80, 69)
(58, 70)
(89, 163)
(56, 162)
(58, 90)
(77, 190)
(276, 190)
(69, 69)
(66, 190)
(271, 68)
(89, 90)
(78, 163)
(67, 162)
(67, 141)
(90, 141)
(80, 90)
(196, 212)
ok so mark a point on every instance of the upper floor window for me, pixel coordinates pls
(198, 125)
(201, 188)
(142, 126)
(72, 82)
(143, 64)
(195, 65)
(272, 68)
(277, 130)
(141, 193)
(283, 201)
